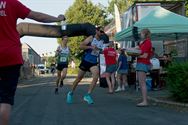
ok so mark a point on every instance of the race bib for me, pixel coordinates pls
(63, 59)
(95, 52)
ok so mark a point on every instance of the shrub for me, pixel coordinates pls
(72, 71)
(177, 81)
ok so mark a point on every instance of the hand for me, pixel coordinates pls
(137, 47)
(61, 17)
(94, 47)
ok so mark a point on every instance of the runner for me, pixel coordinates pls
(92, 46)
(62, 54)
(53, 67)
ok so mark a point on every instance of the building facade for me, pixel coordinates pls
(30, 55)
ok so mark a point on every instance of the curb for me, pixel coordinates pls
(168, 102)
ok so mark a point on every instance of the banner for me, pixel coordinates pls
(117, 19)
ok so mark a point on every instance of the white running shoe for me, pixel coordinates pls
(123, 88)
(118, 89)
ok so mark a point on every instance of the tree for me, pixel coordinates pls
(186, 6)
(50, 60)
(122, 5)
(83, 11)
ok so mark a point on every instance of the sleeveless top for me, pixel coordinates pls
(92, 55)
(63, 55)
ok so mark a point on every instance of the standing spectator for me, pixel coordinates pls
(92, 46)
(111, 65)
(63, 54)
(10, 50)
(143, 63)
(122, 71)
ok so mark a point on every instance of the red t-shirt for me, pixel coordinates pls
(10, 46)
(145, 47)
(110, 56)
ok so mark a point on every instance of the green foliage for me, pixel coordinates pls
(186, 6)
(122, 5)
(83, 11)
(177, 81)
(74, 44)
(72, 70)
(50, 60)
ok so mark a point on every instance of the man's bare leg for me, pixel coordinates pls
(80, 76)
(95, 75)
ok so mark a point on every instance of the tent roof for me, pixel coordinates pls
(162, 23)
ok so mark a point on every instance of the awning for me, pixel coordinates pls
(163, 24)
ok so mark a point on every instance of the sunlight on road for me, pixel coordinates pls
(38, 84)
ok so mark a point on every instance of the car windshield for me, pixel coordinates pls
(41, 67)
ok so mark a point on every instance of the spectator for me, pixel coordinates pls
(122, 71)
(111, 65)
(165, 60)
(10, 50)
(143, 63)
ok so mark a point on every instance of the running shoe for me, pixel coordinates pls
(88, 99)
(69, 97)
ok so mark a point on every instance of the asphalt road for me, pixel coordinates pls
(36, 104)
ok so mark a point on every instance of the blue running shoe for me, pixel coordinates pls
(69, 97)
(88, 99)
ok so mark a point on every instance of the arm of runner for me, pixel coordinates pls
(84, 44)
(45, 18)
(57, 51)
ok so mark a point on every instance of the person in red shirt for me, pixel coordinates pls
(143, 63)
(110, 55)
(10, 50)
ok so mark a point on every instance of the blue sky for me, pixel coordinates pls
(52, 7)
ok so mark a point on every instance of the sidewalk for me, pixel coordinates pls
(163, 97)
(159, 97)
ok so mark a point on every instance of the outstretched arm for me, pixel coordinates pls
(45, 18)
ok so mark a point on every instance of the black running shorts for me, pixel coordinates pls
(85, 66)
(8, 83)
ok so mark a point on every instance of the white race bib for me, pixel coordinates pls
(63, 59)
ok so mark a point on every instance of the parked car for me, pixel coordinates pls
(41, 68)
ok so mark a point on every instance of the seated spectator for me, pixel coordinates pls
(165, 60)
